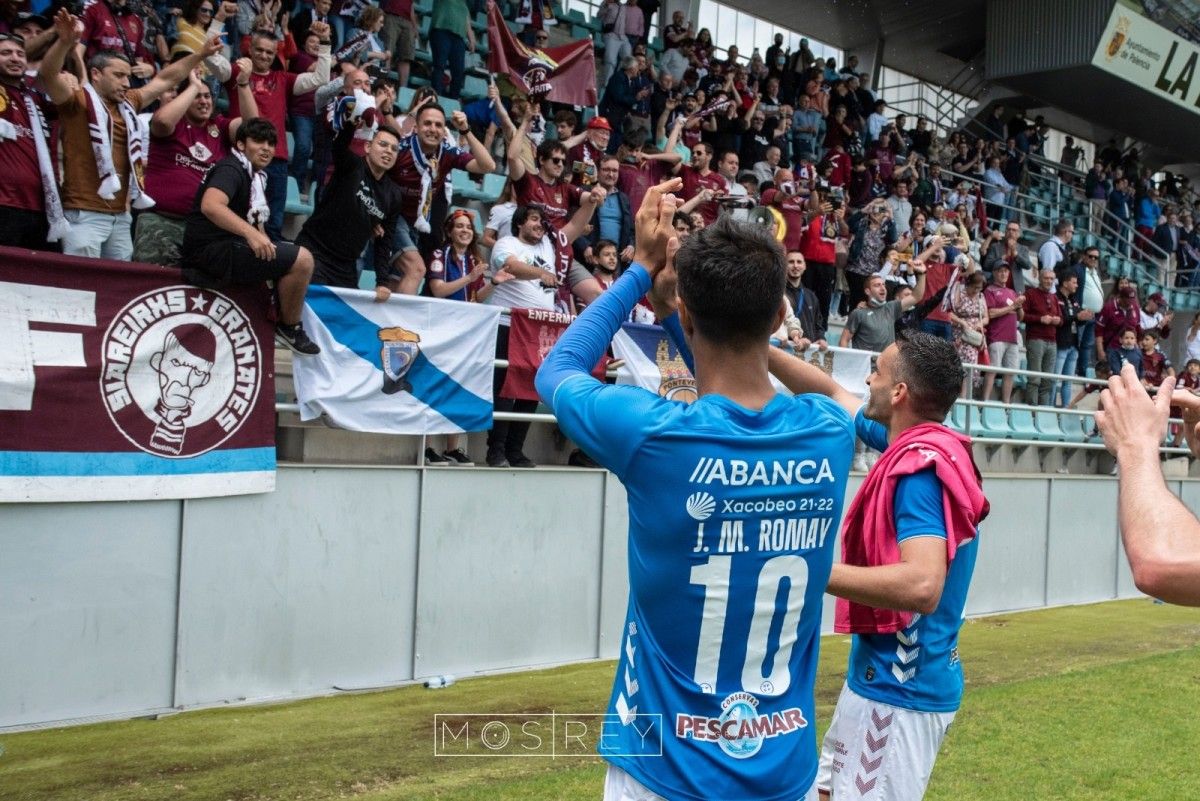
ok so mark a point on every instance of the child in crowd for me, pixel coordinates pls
(1127, 353)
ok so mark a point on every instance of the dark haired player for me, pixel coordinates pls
(909, 547)
(731, 523)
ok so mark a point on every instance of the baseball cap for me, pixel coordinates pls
(1128, 292)
(1158, 298)
(37, 19)
(599, 123)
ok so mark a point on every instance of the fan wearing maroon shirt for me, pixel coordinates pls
(272, 88)
(427, 145)
(585, 150)
(641, 170)
(699, 176)
(187, 140)
(22, 204)
(545, 188)
(793, 200)
(110, 25)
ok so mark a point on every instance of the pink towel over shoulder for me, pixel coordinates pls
(869, 532)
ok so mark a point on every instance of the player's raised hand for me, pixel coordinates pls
(1132, 422)
(663, 294)
(652, 226)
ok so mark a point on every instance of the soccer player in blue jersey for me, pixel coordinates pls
(733, 503)
(909, 544)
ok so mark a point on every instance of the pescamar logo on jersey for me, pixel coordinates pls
(180, 370)
(740, 731)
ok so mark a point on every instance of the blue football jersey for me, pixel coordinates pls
(916, 668)
(733, 514)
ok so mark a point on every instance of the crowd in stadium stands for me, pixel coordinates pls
(183, 134)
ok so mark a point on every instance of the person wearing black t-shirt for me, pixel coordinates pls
(224, 241)
(360, 204)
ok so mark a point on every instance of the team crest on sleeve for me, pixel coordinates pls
(398, 352)
(180, 370)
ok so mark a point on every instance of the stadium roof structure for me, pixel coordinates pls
(1095, 68)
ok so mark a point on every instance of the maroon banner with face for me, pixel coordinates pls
(120, 381)
(563, 74)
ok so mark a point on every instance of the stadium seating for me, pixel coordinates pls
(294, 204)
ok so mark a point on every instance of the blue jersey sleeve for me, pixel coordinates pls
(675, 331)
(870, 432)
(918, 506)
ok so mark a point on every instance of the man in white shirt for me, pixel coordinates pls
(1054, 250)
(996, 189)
(527, 268)
(901, 207)
(727, 166)
(878, 120)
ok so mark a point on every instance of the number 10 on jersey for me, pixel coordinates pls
(713, 575)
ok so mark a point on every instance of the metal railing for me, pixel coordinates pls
(1164, 275)
(981, 437)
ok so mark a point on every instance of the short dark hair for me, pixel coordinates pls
(522, 214)
(1062, 225)
(548, 148)
(429, 106)
(679, 218)
(732, 276)
(389, 130)
(567, 116)
(259, 129)
(100, 60)
(604, 243)
(933, 371)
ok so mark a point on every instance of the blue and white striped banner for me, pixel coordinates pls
(408, 366)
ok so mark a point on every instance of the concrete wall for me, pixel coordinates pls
(348, 578)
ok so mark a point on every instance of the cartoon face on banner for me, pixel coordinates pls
(399, 351)
(180, 370)
(537, 72)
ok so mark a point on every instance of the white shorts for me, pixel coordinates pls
(620, 786)
(879, 752)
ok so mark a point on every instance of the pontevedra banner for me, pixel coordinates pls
(119, 381)
(563, 74)
(408, 366)
(652, 361)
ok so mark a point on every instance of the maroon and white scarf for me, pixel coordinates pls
(526, 8)
(259, 211)
(98, 131)
(41, 138)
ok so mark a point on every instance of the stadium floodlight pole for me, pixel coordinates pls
(1161, 536)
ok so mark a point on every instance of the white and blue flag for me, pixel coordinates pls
(652, 361)
(408, 366)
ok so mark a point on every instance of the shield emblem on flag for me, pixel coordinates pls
(399, 350)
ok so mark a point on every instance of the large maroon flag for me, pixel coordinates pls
(120, 381)
(564, 74)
